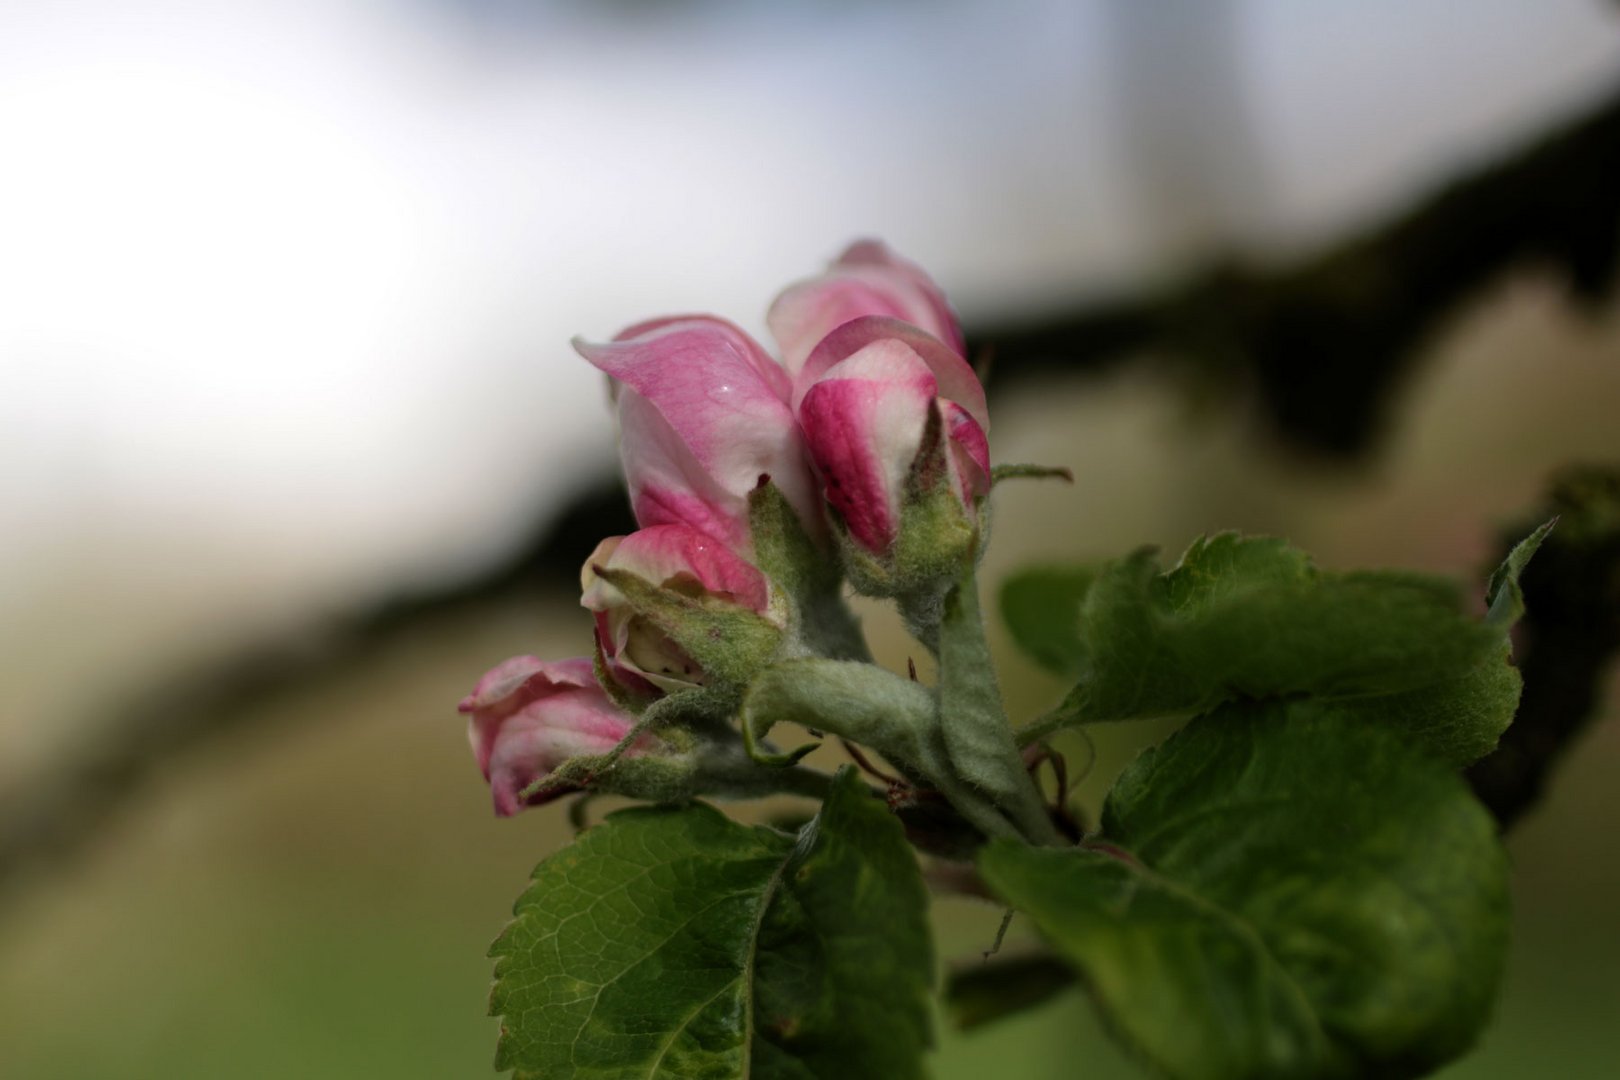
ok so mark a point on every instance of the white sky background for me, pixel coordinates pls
(286, 285)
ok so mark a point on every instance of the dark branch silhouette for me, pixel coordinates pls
(1325, 344)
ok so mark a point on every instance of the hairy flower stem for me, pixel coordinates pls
(736, 775)
(979, 811)
(978, 737)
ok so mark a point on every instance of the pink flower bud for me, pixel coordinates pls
(703, 416)
(867, 279)
(678, 561)
(863, 400)
(529, 716)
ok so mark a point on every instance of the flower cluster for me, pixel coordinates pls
(862, 449)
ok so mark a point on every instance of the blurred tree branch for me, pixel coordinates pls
(52, 816)
(1323, 344)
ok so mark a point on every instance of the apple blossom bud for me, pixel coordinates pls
(895, 419)
(528, 717)
(867, 279)
(679, 608)
(703, 416)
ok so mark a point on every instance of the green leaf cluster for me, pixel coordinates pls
(1246, 619)
(673, 942)
(1298, 883)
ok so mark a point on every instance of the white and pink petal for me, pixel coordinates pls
(527, 716)
(955, 378)
(867, 279)
(864, 422)
(544, 736)
(722, 422)
(969, 451)
(676, 556)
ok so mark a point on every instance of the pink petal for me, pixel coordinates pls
(732, 338)
(970, 451)
(868, 279)
(708, 379)
(546, 734)
(669, 554)
(668, 485)
(723, 420)
(956, 378)
(864, 422)
(512, 683)
(874, 256)
(527, 687)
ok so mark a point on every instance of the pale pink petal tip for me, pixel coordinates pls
(531, 716)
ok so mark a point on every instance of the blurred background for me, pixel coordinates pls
(293, 446)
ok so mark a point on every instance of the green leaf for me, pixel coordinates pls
(1041, 606)
(1503, 595)
(1252, 619)
(674, 942)
(1459, 720)
(1290, 895)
